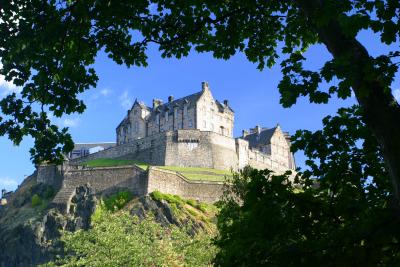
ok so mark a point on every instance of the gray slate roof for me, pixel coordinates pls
(190, 100)
(263, 138)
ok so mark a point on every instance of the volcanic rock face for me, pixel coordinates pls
(29, 235)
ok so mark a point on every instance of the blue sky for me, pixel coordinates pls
(252, 93)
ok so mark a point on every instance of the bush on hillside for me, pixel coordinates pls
(118, 201)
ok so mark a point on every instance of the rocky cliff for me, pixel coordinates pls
(30, 226)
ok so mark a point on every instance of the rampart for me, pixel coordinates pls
(104, 179)
(173, 183)
(107, 180)
(189, 148)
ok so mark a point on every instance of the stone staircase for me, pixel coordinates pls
(64, 196)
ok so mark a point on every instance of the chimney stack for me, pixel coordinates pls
(204, 86)
(226, 102)
(170, 99)
(256, 130)
(156, 103)
(245, 133)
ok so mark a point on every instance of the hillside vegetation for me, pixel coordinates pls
(161, 230)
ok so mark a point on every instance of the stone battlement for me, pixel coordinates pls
(191, 148)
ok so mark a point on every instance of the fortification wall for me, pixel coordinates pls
(260, 160)
(224, 152)
(172, 183)
(106, 179)
(191, 148)
(150, 150)
(50, 174)
(195, 148)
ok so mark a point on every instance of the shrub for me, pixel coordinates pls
(172, 199)
(48, 193)
(118, 201)
(202, 206)
(36, 200)
(191, 202)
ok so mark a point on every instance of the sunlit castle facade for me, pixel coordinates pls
(197, 111)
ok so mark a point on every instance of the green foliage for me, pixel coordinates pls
(172, 199)
(117, 201)
(49, 192)
(36, 200)
(191, 202)
(118, 239)
(346, 216)
(115, 162)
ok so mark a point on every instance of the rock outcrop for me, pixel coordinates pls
(29, 234)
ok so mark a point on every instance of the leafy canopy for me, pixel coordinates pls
(48, 48)
(346, 217)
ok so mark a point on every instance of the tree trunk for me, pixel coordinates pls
(381, 110)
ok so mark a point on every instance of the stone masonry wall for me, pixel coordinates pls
(195, 148)
(172, 183)
(105, 179)
(192, 148)
(50, 174)
(260, 160)
(150, 150)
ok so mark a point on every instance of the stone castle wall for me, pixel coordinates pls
(192, 148)
(172, 183)
(105, 179)
(150, 150)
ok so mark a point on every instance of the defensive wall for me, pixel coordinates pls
(107, 180)
(174, 183)
(190, 148)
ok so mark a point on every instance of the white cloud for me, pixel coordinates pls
(100, 94)
(71, 122)
(126, 103)
(396, 94)
(105, 92)
(8, 183)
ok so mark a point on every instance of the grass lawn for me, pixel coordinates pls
(199, 174)
(114, 162)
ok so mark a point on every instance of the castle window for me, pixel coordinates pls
(166, 116)
(212, 127)
(136, 127)
(190, 124)
(134, 112)
(204, 124)
(158, 119)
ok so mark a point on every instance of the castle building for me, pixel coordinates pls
(193, 131)
(84, 149)
(197, 111)
(196, 131)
